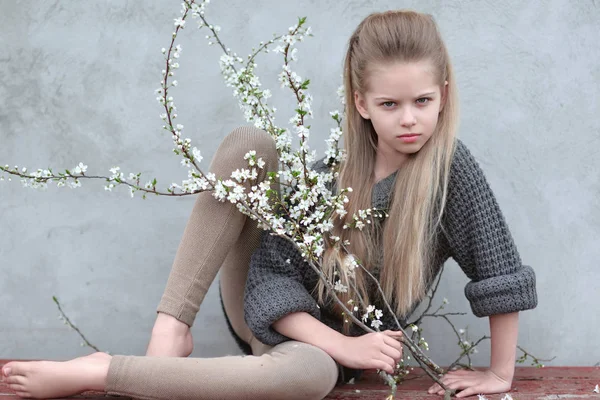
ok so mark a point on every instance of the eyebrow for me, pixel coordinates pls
(421, 95)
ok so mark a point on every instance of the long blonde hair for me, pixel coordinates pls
(417, 202)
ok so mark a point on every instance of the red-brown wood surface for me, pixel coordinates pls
(530, 383)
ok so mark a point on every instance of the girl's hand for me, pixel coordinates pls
(473, 382)
(378, 350)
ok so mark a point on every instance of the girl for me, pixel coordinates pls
(402, 155)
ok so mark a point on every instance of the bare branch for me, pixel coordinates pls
(70, 324)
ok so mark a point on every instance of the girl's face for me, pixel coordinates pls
(403, 101)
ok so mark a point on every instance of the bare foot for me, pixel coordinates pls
(51, 379)
(170, 338)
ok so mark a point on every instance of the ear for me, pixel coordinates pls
(360, 102)
(444, 95)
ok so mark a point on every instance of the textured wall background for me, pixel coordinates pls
(77, 82)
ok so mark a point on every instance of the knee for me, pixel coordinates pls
(314, 372)
(245, 138)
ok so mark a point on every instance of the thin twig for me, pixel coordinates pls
(415, 350)
(68, 321)
(431, 296)
(440, 315)
(412, 348)
(465, 352)
(82, 176)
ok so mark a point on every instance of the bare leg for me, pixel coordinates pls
(49, 379)
(213, 229)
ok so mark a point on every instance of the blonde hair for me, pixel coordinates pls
(417, 202)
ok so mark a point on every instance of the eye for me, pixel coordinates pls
(387, 102)
(427, 100)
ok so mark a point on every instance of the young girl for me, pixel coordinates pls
(402, 155)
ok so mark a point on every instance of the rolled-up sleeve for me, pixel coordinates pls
(481, 243)
(274, 288)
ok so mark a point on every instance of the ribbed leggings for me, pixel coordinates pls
(219, 237)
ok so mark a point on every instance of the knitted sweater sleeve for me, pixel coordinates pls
(274, 288)
(480, 242)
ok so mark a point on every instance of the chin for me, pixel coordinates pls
(410, 148)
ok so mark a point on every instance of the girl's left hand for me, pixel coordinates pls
(472, 383)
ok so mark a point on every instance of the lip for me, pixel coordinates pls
(409, 135)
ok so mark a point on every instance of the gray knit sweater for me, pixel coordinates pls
(474, 234)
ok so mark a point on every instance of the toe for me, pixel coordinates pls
(16, 387)
(15, 368)
(15, 379)
(6, 370)
(20, 368)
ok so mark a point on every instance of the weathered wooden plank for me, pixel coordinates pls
(549, 383)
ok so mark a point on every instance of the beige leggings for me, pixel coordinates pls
(219, 237)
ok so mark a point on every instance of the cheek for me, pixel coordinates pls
(430, 121)
(381, 121)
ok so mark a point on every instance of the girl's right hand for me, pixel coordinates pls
(378, 350)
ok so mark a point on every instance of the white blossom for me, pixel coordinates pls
(80, 169)
(341, 92)
(74, 184)
(197, 155)
(339, 287)
(376, 323)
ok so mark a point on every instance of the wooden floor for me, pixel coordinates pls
(530, 383)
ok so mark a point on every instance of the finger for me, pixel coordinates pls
(448, 382)
(458, 385)
(389, 361)
(470, 391)
(393, 343)
(382, 365)
(393, 353)
(393, 333)
(436, 387)
(433, 389)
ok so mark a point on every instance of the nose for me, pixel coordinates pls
(408, 119)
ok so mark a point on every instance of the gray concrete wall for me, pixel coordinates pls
(77, 81)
